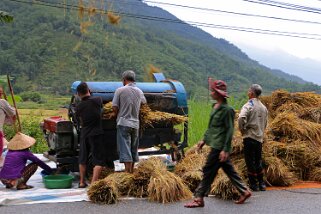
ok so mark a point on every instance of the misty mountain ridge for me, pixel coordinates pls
(306, 69)
(46, 50)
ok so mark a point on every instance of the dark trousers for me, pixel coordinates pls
(210, 169)
(253, 156)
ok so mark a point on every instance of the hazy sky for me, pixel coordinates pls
(302, 48)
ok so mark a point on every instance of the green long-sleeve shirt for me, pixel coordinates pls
(220, 129)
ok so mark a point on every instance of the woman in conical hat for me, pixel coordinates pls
(15, 172)
(7, 113)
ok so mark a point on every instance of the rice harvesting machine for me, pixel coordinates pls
(163, 94)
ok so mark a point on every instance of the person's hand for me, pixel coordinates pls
(223, 156)
(200, 145)
(111, 116)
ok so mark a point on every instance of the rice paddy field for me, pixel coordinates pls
(31, 114)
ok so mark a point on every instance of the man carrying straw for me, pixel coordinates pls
(218, 136)
(126, 105)
(252, 123)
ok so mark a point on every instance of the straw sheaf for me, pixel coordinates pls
(315, 174)
(281, 97)
(192, 179)
(142, 176)
(288, 125)
(223, 187)
(21, 141)
(124, 181)
(166, 187)
(277, 174)
(192, 162)
(312, 114)
(194, 150)
(149, 118)
(113, 18)
(103, 192)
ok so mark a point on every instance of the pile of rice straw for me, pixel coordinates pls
(151, 179)
(150, 118)
(291, 151)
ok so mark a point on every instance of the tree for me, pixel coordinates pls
(5, 17)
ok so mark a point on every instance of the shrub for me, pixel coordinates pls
(31, 96)
(30, 127)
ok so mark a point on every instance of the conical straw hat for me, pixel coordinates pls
(21, 141)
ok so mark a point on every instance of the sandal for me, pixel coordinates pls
(243, 197)
(22, 187)
(9, 186)
(82, 186)
(195, 203)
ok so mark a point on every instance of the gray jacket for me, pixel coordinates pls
(253, 119)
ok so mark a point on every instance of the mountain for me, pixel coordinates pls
(47, 48)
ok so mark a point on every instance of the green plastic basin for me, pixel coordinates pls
(58, 181)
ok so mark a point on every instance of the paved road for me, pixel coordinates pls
(299, 201)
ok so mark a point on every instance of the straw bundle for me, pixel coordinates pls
(311, 114)
(315, 174)
(223, 187)
(165, 187)
(142, 176)
(281, 97)
(288, 125)
(103, 192)
(192, 179)
(191, 163)
(113, 18)
(277, 174)
(149, 118)
(194, 150)
(107, 110)
(237, 144)
(123, 181)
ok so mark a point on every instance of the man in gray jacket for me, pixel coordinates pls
(252, 122)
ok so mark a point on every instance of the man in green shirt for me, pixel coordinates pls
(219, 137)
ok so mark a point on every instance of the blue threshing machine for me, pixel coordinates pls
(163, 95)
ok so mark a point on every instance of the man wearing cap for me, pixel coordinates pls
(15, 172)
(219, 137)
(126, 105)
(252, 122)
(91, 135)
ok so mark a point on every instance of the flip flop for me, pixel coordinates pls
(9, 186)
(194, 204)
(243, 198)
(82, 186)
(24, 187)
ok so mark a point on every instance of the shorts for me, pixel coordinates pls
(95, 146)
(127, 142)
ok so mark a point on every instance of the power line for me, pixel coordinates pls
(177, 21)
(297, 8)
(234, 13)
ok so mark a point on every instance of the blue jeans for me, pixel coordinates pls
(127, 142)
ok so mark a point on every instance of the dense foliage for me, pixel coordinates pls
(45, 50)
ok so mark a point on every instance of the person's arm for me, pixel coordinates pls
(143, 99)
(243, 116)
(39, 162)
(115, 104)
(229, 124)
(9, 110)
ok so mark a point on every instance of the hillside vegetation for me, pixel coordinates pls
(45, 50)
